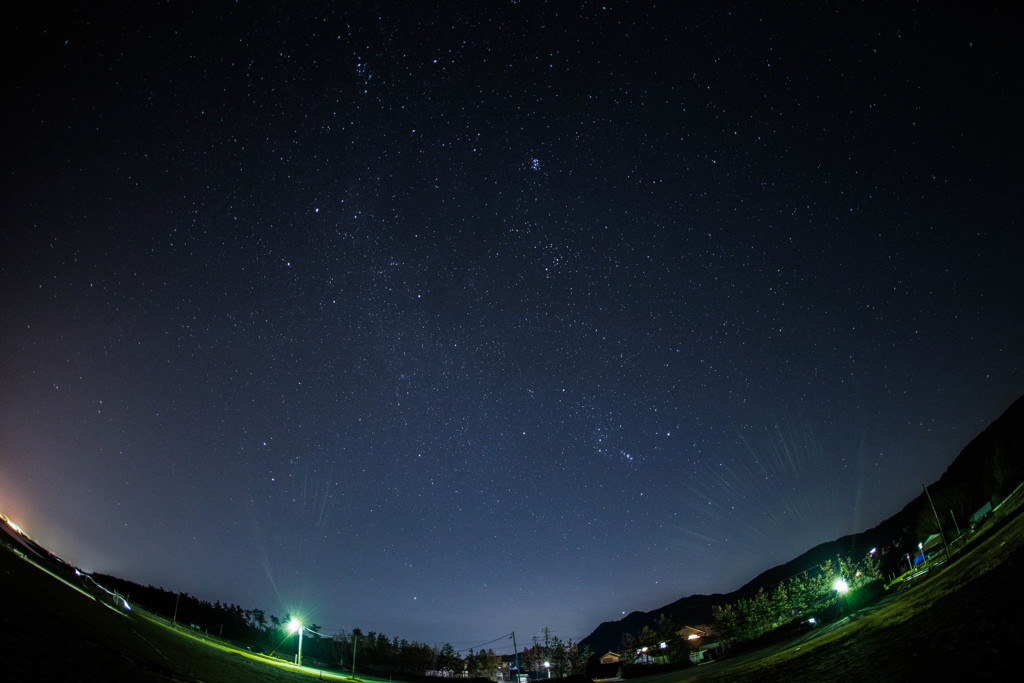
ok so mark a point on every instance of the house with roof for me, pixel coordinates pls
(704, 646)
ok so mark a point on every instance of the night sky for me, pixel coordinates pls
(448, 322)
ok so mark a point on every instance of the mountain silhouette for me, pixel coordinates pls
(988, 469)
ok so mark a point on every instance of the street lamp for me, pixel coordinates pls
(547, 665)
(840, 586)
(296, 627)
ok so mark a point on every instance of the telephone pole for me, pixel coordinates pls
(515, 649)
(937, 523)
(355, 640)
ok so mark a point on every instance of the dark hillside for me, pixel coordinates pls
(985, 471)
(70, 631)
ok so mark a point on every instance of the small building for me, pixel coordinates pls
(611, 658)
(704, 646)
(706, 652)
(690, 634)
(983, 512)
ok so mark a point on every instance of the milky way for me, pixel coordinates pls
(448, 323)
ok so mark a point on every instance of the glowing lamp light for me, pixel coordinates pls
(663, 645)
(692, 636)
(295, 626)
(840, 586)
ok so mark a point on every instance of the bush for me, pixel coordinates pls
(595, 669)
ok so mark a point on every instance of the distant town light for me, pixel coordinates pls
(14, 526)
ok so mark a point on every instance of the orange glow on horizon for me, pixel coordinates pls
(13, 525)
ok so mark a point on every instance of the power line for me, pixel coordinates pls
(476, 647)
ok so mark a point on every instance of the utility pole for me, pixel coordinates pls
(355, 641)
(937, 523)
(175, 620)
(515, 649)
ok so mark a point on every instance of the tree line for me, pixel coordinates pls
(561, 657)
(799, 598)
(808, 594)
(371, 651)
(648, 646)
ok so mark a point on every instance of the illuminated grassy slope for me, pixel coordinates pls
(55, 630)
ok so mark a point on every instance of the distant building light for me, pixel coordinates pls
(663, 645)
(692, 636)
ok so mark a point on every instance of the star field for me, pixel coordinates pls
(503, 315)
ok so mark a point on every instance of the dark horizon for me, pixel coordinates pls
(451, 322)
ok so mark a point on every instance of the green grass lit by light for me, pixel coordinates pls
(264, 659)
